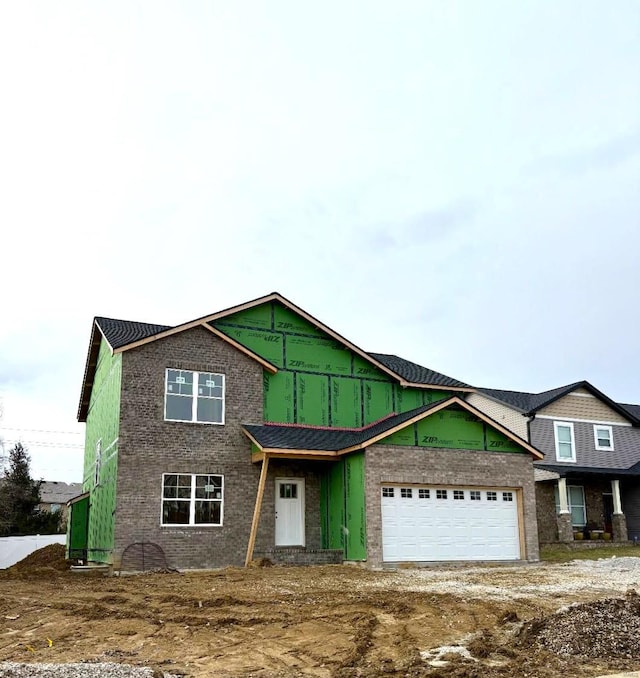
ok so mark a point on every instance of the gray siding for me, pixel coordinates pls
(626, 442)
(631, 507)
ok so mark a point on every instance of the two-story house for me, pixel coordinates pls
(589, 479)
(260, 431)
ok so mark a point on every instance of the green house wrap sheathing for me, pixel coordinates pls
(454, 429)
(356, 532)
(332, 507)
(319, 381)
(78, 529)
(342, 507)
(102, 434)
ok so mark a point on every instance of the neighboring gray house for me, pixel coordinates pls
(589, 480)
(54, 496)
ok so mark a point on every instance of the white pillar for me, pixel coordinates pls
(617, 504)
(562, 492)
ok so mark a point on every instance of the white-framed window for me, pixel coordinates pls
(575, 499)
(441, 494)
(406, 493)
(387, 492)
(458, 494)
(507, 496)
(192, 499)
(424, 494)
(565, 441)
(603, 436)
(194, 396)
(98, 463)
(492, 496)
(474, 495)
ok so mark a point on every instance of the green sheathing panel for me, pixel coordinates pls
(346, 402)
(454, 428)
(356, 532)
(319, 381)
(267, 345)
(78, 529)
(312, 396)
(103, 426)
(288, 322)
(279, 397)
(498, 442)
(377, 399)
(332, 506)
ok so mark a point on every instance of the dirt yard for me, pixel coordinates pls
(574, 619)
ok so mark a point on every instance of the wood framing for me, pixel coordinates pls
(256, 510)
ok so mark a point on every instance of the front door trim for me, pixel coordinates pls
(291, 533)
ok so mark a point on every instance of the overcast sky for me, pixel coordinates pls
(454, 182)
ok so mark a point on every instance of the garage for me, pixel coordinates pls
(442, 523)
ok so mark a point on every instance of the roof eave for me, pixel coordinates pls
(90, 369)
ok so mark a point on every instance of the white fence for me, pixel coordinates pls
(14, 549)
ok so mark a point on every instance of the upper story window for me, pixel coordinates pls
(194, 396)
(98, 463)
(603, 436)
(565, 441)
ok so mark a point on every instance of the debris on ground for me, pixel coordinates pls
(333, 621)
(47, 560)
(603, 628)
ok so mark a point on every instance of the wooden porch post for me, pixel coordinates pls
(257, 509)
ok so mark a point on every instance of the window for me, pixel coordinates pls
(194, 396)
(474, 495)
(405, 492)
(603, 436)
(492, 496)
(441, 494)
(288, 490)
(192, 499)
(507, 496)
(98, 463)
(565, 441)
(424, 494)
(387, 491)
(575, 498)
(458, 494)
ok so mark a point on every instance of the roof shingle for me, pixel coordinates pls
(416, 374)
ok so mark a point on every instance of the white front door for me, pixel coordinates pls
(289, 511)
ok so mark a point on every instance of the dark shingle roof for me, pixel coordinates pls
(565, 470)
(416, 374)
(331, 440)
(122, 332)
(529, 403)
(632, 409)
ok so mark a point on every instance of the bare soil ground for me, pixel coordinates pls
(575, 619)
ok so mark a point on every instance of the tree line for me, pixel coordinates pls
(20, 499)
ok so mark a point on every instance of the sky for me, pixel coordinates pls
(456, 182)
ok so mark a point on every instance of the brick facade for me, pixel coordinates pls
(395, 464)
(150, 446)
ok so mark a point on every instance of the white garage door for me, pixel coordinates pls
(449, 523)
